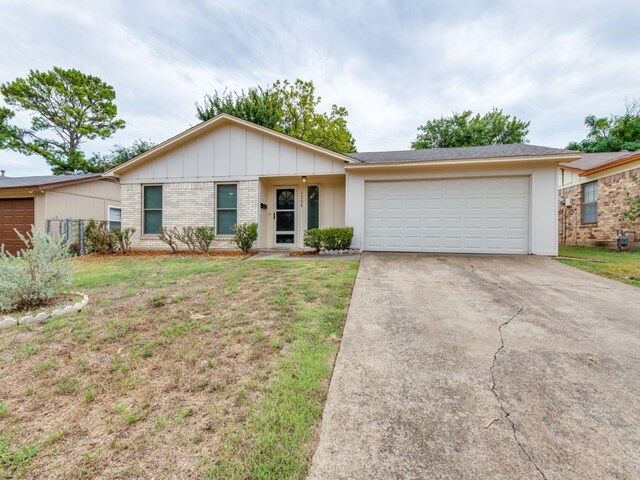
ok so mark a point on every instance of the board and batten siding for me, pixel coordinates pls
(232, 152)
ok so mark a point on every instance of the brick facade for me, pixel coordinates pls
(186, 204)
(612, 194)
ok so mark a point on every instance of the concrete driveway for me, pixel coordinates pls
(484, 367)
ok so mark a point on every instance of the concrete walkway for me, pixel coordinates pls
(484, 367)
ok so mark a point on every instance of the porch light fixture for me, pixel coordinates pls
(304, 179)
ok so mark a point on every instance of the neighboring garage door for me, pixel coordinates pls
(468, 215)
(15, 213)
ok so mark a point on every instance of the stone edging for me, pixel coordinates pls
(42, 316)
(348, 251)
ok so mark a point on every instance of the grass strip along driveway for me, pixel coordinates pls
(622, 266)
(178, 368)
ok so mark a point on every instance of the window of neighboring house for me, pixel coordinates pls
(114, 217)
(313, 207)
(226, 208)
(590, 202)
(152, 209)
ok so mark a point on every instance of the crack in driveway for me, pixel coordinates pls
(506, 413)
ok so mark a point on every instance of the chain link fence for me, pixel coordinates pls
(71, 230)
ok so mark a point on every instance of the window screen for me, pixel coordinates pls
(590, 202)
(114, 218)
(152, 204)
(226, 208)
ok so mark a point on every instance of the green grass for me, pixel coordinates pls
(276, 439)
(622, 266)
(14, 459)
(230, 356)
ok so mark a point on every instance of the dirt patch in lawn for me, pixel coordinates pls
(59, 301)
(172, 369)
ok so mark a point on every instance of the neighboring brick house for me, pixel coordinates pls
(593, 194)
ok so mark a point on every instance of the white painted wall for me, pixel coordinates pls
(232, 152)
(544, 197)
(332, 208)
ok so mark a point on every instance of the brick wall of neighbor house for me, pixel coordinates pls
(185, 204)
(612, 194)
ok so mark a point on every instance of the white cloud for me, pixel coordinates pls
(394, 65)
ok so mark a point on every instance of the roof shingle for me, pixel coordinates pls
(594, 160)
(457, 153)
(37, 181)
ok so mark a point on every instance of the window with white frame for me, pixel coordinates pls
(152, 209)
(590, 202)
(115, 216)
(226, 208)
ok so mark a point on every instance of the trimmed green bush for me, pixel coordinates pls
(244, 235)
(313, 239)
(335, 238)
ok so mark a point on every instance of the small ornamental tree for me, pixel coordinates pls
(42, 270)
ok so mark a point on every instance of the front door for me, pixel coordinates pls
(285, 216)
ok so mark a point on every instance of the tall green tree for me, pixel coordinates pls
(99, 163)
(289, 108)
(67, 108)
(613, 133)
(468, 130)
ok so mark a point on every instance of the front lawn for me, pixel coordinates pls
(178, 368)
(623, 266)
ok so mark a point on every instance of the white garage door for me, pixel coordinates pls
(467, 215)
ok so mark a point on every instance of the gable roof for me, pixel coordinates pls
(458, 153)
(45, 182)
(595, 162)
(211, 124)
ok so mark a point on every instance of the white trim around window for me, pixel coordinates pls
(151, 209)
(226, 211)
(114, 221)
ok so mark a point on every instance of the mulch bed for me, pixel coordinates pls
(305, 253)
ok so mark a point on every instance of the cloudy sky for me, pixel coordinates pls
(393, 64)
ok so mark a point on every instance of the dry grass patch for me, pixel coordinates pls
(178, 368)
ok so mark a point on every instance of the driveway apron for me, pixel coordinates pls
(474, 367)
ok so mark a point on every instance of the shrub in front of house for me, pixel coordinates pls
(99, 238)
(245, 235)
(313, 239)
(334, 238)
(42, 270)
(204, 237)
(168, 236)
(337, 238)
(123, 237)
(195, 238)
(186, 235)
